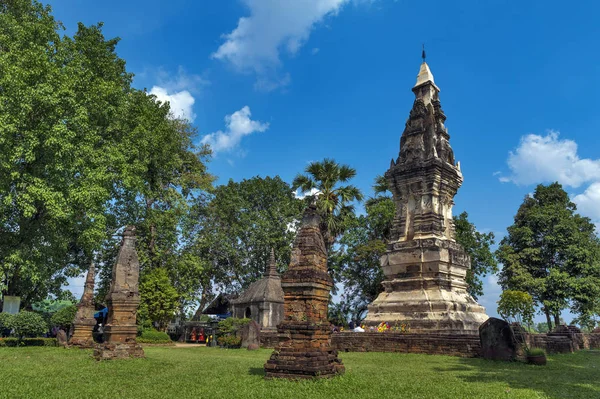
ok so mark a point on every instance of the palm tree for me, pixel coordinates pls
(323, 182)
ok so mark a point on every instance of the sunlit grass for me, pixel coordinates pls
(220, 373)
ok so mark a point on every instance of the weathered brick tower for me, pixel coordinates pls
(123, 300)
(304, 349)
(84, 321)
(424, 267)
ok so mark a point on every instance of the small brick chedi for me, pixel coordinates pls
(304, 349)
(84, 321)
(424, 266)
(122, 300)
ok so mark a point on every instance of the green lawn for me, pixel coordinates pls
(169, 372)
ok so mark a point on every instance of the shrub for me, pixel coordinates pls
(516, 306)
(228, 329)
(64, 317)
(229, 341)
(15, 342)
(231, 325)
(29, 324)
(6, 323)
(535, 352)
(154, 337)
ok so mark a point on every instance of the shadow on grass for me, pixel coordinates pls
(569, 375)
(256, 371)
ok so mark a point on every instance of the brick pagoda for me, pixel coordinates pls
(84, 321)
(122, 301)
(424, 266)
(304, 349)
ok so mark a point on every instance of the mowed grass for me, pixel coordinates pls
(169, 372)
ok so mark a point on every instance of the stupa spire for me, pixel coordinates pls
(272, 268)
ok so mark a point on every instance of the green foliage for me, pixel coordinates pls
(29, 324)
(231, 325)
(16, 342)
(535, 352)
(356, 260)
(6, 323)
(541, 328)
(63, 318)
(228, 330)
(86, 155)
(552, 253)
(234, 231)
(516, 306)
(159, 299)
(59, 100)
(229, 341)
(333, 199)
(154, 337)
(478, 247)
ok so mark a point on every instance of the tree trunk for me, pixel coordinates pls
(548, 319)
(556, 319)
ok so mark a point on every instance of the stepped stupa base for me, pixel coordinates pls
(428, 311)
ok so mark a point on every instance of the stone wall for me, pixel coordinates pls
(564, 342)
(440, 344)
(592, 341)
(463, 345)
(268, 338)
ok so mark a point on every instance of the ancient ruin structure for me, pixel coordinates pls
(122, 300)
(424, 267)
(263, 300)
(84, 321)
(304, 349)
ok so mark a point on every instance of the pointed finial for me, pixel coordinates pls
(272, 270)
(423, 53)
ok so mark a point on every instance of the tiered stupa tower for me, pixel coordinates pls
(424, 266)
(122, 301)
(304, 349)
(84, 321)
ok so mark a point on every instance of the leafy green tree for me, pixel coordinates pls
(234, 232)
(63, 318)
(356, 260)
(59, 100)
(478, 247)
(29, 324)
(6, 323)
(551, 252)
(159, 299)
(333, 198)
(516, 306)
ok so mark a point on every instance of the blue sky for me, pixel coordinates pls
(274, 84)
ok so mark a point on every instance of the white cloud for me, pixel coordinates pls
(544, 159)
(547, 158)
(313, 191)
(588, 203)
(237, 125)
(179, 89)
(274, 26)
(181, 102)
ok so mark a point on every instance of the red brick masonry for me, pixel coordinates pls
(437, 344)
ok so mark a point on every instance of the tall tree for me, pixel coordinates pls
(478, 247)
(324, 181)
(235, 231)
(550, 252)
(59, 100)
(356, 260)
(162, 177)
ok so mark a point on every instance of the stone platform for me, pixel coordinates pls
(119, 350)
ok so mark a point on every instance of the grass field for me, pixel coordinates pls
(220, 373)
